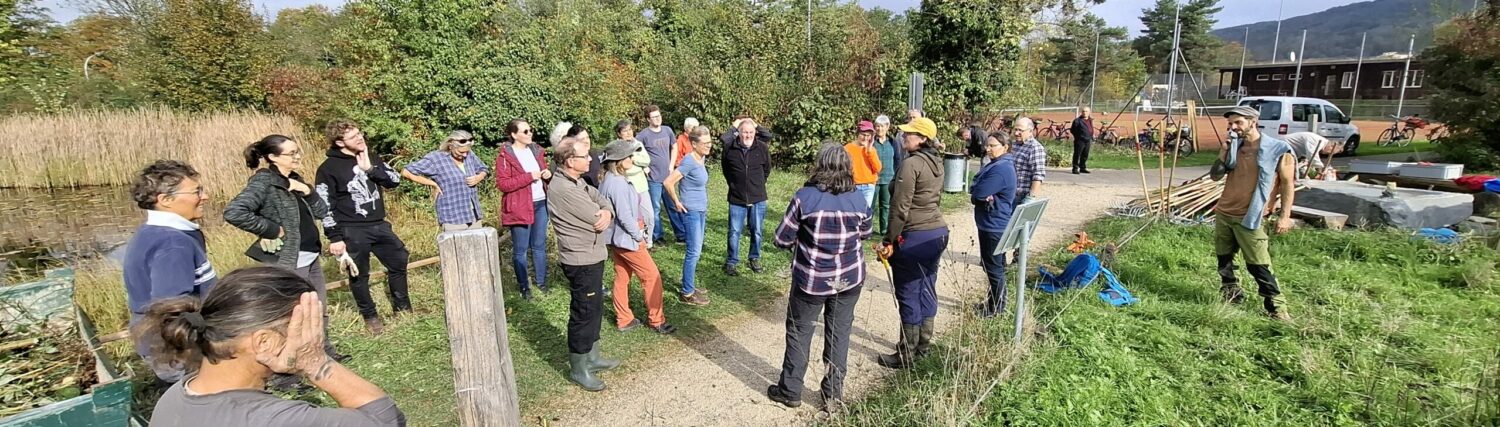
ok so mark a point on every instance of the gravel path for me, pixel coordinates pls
(722, 380)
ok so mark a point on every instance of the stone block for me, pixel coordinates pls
(1372, 206)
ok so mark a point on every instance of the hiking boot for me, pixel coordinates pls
(526, 294)
(1232, 293)
(664, 328)
(776, 394)
(905, 349)
(987, 311)
(599, 363)
(755, 266)
(730, 270)
(695, 299)
(1084, 171)
(924, 342)
(634, 323)
(579, 373)
(1280, 316)
(374, 325)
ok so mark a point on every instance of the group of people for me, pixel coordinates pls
(220, 340)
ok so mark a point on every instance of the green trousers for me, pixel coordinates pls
(882, 207)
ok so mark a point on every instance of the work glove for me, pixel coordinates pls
(347, 264)
(271, 246)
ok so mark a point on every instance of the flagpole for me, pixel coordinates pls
(1354, 91)
(1301, 55)
(1276, 43)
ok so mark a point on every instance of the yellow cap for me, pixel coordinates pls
(921, 126)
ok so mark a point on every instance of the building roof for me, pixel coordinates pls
(1321, 61)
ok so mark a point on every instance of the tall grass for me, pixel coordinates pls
(87, 148)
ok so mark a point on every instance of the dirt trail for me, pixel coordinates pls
(722, 380)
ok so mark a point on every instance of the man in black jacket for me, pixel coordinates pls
(1083, 139)
(974, 136)
(746, 165)
(350, 182)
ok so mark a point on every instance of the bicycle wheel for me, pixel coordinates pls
(1386, 138)
(1109, 139)
(1187, 147)
(1407, 135)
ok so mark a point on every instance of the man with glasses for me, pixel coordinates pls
(167, 256)
(452, 172)
(658, 140)
(1031, 160)
(349, 183)
(579, 215)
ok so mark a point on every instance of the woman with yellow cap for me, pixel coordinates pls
(916, 240)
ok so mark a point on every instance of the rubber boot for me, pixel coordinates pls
(924, 343)
(598, 363)
(579, 372)
(906, 349)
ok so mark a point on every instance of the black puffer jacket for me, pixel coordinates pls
(267, 207)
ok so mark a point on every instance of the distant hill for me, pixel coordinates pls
(1335, 33)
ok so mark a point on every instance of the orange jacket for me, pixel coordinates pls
(866, 163)
(684, 146)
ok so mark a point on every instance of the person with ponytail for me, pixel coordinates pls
(257, 322)
(916, 241)
(521, 175)
(279, 208)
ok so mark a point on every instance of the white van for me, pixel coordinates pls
(1285, 115)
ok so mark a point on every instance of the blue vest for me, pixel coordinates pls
(1269, 156)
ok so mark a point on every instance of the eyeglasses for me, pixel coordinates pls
(292, 154)
(467, 140)
(577, 157)
(524, 131)
(654, 116)
(200, 192)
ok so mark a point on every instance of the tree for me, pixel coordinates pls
(205, 54)
(1463, 68)
(24, 27)
(968, 50)
(301, 36)
(1199, 47)
(1070, 56)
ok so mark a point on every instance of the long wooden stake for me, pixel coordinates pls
(1140, 160)
(484, 376)
(1177, 151)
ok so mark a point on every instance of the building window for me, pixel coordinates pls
(1348, 82)
(1276, 77)
(1415, 78)
(1262, 77)
(1388, 79)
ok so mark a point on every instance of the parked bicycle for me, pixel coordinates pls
(1167, 134)
(1402, 131)
(1055, 130)
(1108, 136)
(1437, 133)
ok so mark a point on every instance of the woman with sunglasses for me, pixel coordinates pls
(453, 172)
(279, 207)
(520, 175)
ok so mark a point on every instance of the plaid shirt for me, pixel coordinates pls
(459, 203)
(1031, 165)
(826, 230)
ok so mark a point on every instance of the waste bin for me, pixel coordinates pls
(955, 173)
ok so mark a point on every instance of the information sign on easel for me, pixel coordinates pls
(1023, 223)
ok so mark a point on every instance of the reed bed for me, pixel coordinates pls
(87, 148)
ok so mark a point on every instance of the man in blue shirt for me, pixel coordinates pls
(167, 256)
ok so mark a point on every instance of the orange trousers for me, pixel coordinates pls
(640, 264)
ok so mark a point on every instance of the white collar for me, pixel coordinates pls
(169, 220)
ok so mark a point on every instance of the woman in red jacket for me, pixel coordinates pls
(520, 175)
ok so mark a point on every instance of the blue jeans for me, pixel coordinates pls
(695, 221)
(994, 268)
(660, 199)
(737, 214)
(868, 190)
(530, 239)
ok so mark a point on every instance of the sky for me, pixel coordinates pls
(1117, 12)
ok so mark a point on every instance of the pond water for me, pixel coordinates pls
(47, 228)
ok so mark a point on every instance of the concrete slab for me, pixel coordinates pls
(1369, 205)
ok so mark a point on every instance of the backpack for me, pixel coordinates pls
(1080, 273)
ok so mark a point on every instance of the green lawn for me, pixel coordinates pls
(411, 361)
(1102, 156)
(1370, 148)
(1387, 331)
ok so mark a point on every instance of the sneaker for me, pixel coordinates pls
(1232, 294)
(694, 298)
(730, 270)
(526, 294)
(1280, 316)
(1084, 171)
(664, 328)
(634, 323)
(755, 266)
(775, 393)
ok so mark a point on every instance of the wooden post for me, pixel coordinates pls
(1140, 161)
(484, 378)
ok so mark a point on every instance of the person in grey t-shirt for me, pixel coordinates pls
(257, 322)
(659, 139)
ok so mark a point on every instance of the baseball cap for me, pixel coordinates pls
(866, 126)
(921, 126)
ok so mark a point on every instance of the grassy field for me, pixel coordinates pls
(1387, 331)
(411, 361)
(1101, 156)
(1370, 148)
